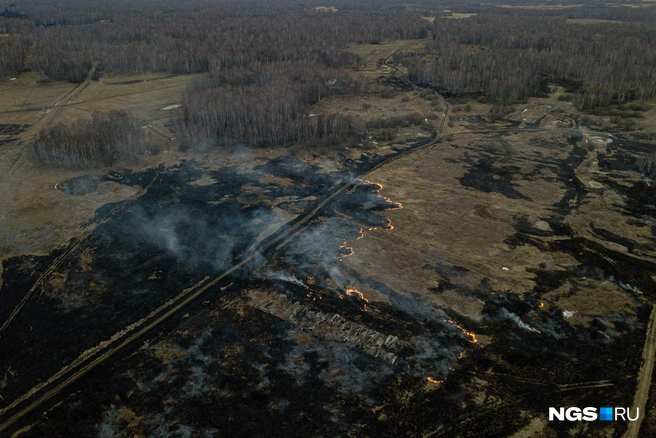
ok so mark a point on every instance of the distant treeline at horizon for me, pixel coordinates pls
(265, 63)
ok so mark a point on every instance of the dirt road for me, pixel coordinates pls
(644, 377)
(11, 159)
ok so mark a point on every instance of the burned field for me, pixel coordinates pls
(367, 220)
(434, 295)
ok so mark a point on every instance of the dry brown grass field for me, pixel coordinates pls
(36, 217)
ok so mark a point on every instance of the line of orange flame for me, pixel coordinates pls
(350, 251)
(353, 291)
(389, 226)
(380, 186)
(471, 335)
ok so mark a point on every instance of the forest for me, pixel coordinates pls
(101, 141)
(509, 58)
(261, 66)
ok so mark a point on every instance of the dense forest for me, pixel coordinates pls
(262, 64)
(194, 37)
(507, 58)
(266, 104)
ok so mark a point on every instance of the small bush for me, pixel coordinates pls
(415, 118)
(397, 121)
(636, 106)
(388, 94)
(386, 134)
(429, 95)
(565, 97)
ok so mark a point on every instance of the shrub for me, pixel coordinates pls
(565, 97)
(387, 94)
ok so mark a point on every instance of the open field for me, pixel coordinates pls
(374, 53)
(425, 281)
(37, 217)
(456, 15)
(326, 9)
(544, 7)
(591, 21)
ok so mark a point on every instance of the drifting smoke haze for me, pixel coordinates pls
(196, 239)
(321, 245)
(505, 314)
(435, 356)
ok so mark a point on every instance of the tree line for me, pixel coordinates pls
(199, 36)
(265, 64)
(508, 58)
(13, 50)
(101, 141)
(266, 104)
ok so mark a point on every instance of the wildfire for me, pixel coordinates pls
(354, 292)
(388, 227)
(378, 186)
(348, 248)
(471, 335)
(398, 205)
(541, 305)
(435, 381)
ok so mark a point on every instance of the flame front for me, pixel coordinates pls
(470, 335)
(351, 291)
(388, 227)
(379, 187)
(348, 248)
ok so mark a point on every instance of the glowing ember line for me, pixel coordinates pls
(388, 227)
(471, 335)
(348, 248)
(378, 186)
(350, 291)
(437, 382)
(399, 206)
(353, 291)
